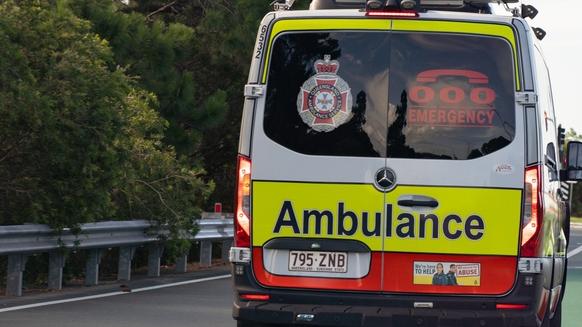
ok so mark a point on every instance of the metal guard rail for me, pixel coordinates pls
(20, 241)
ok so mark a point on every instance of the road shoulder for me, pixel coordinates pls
(139, 282)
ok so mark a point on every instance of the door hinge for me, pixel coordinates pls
(254, 91)
(239, 255)
(530, 265)
(526, 98)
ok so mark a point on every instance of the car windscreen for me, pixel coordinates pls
(390, 94)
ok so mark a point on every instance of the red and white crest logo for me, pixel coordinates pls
(324, 101)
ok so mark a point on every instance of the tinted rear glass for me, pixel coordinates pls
(398, 95)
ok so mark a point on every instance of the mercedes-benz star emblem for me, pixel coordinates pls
(385, 179)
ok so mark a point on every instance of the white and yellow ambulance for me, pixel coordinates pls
(399, 165)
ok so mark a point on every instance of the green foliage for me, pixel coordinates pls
(59, 116)
(116, 112)
(571, 135)
(160, 56)
(80, 141)
(175, 248)
(218, 62)
(155, 183)
(225, 39)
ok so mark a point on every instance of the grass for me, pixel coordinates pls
(576, 219)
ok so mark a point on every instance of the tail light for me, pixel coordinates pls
(508, 306)
(531, 223)
(255, 297)
(243, 203)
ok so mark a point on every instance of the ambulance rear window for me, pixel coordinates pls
(397, 95)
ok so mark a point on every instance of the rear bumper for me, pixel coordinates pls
(384, 316)
(374, 309)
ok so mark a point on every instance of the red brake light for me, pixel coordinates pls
(532, 213)
(242, 217)
(508, 306)
(392, 13)
(255, 297)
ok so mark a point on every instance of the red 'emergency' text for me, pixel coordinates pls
(454, 117)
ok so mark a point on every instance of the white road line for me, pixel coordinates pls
(186, 282)
(575, 252)
(98, 296)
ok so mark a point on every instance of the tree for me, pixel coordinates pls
(194, 56)
(80, 141)
(59, 117)
(571, 135)
(160, 55)
(155, 184)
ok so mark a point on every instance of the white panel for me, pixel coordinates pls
(276, 261)
(272, 161)
(503, 168)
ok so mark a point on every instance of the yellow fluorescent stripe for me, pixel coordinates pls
(486, 221)
(488, 29)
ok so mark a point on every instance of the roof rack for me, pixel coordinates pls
(477, 6)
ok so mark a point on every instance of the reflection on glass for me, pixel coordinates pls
(363, 64)
(413, 95)
(452, 94)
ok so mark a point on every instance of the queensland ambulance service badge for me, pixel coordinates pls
(324, 101)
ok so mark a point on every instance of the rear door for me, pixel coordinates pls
(455, 144)
(319, 138)
(388, 157)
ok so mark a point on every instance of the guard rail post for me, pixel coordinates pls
(182, 263)
(56, 264)
(226, 245)
(205, 253)
(206, 244)
(15, 270)
(92, 267)
(154, 259)
(126, 254)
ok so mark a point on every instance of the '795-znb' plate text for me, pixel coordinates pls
(318, 261)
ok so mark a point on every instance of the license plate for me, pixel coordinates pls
(318, 261)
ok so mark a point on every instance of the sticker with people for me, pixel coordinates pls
(447, 273)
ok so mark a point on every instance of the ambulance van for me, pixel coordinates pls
(400, 164)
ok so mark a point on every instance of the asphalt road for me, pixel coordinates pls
(575, 262)
(207, 303)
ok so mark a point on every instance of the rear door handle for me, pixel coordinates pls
(417, 201)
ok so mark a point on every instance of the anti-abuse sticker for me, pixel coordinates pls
(447, 273)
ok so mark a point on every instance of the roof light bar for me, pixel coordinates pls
(392, 13)
(454, 3)
(426, 2)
